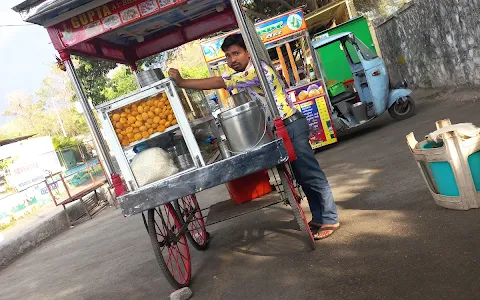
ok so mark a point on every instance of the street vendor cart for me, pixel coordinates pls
(126, 31)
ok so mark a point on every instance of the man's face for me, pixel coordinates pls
(237, 58)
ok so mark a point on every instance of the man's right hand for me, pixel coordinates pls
(176, 76)
(211, 83)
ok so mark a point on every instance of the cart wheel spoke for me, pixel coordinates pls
(190, 212)
(171, 248)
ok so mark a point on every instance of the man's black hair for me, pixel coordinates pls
(233, 40)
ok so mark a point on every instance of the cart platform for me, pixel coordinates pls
(197, 180)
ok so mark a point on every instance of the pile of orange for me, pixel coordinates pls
(141, 119)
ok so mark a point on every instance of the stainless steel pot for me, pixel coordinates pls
(149, 77)
(241, 98)
(245, 127)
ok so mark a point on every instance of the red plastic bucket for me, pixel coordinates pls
(250, 187)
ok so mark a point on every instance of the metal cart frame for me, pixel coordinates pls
(173, 213)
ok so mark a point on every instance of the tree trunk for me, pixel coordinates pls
(312, 5)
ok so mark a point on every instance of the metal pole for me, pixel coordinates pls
(91, 122)
(242, 24)
(135, 73)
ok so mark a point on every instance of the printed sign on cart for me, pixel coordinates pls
(108, 17)
(311, 101)
(268, 31)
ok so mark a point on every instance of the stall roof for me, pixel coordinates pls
(320, 18)
(331, 39)
(14, 140)
(126, 31)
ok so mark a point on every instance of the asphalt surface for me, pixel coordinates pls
(395, 243)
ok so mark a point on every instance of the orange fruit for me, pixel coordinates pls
(119, 125)
(155, 125)
(116, 117)
(120, 137)
(131, 120)
(156, 120)
(143, 128)
(129, 129)
(168, 124)
(170, 117)
(134, 113)
(134, 106)
(118, 131)
(150, 130)
(145, 134)
(136, 130)
(150, 121)
(174, 122)
(145, 116)
(163, 121)
(138, 136)
(124, 133)
(123, 115)
(161, 128)
(123, 120)
(125, 143)
(130, 135)
(151, 114)
(128, 110)
(157, 111)
(140, 109)
(139, 117)
(138, 123)
(148, 125)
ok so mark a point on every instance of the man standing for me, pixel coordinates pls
(306, 168)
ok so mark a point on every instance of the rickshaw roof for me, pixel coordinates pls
(331, 39)
(157, 26)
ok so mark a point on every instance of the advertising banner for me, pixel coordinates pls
(268, 30)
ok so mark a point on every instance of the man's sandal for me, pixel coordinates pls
(327, 228)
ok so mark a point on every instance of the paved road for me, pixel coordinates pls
(395, 242)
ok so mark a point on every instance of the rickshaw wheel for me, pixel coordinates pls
(197, 233)
(171, 250)
(401, 111)
(290, 191)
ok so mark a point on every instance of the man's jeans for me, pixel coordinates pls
(310, 176)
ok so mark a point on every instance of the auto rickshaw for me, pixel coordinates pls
(372, 94)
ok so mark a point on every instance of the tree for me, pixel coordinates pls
(378, 8)
(30, 116)
(189, 60)
(261, 9)
(122, 82)
(93, 76)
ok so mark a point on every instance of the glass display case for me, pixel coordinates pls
(157, 116)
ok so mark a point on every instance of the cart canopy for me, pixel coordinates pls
(126, 31)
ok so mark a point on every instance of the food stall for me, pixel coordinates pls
(171, 165)
(286, 36)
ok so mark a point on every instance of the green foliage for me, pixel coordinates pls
(5, 163)
(61, 142)
(122, 83)
(197, 72)
(93, 76)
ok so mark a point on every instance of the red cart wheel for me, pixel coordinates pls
(291, 195)
(171, 249)
(190, 212)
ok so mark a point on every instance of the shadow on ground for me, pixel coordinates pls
(395, 243)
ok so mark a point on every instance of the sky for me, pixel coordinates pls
(25, 55)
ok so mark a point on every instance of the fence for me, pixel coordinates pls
(81, 170)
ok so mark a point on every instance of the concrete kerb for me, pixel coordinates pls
(12, 249)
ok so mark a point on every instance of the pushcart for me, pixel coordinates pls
(126, 31)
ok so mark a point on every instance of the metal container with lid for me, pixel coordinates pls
(245, 127)
(149, 77)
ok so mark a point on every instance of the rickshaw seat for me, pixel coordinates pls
(343, 97)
